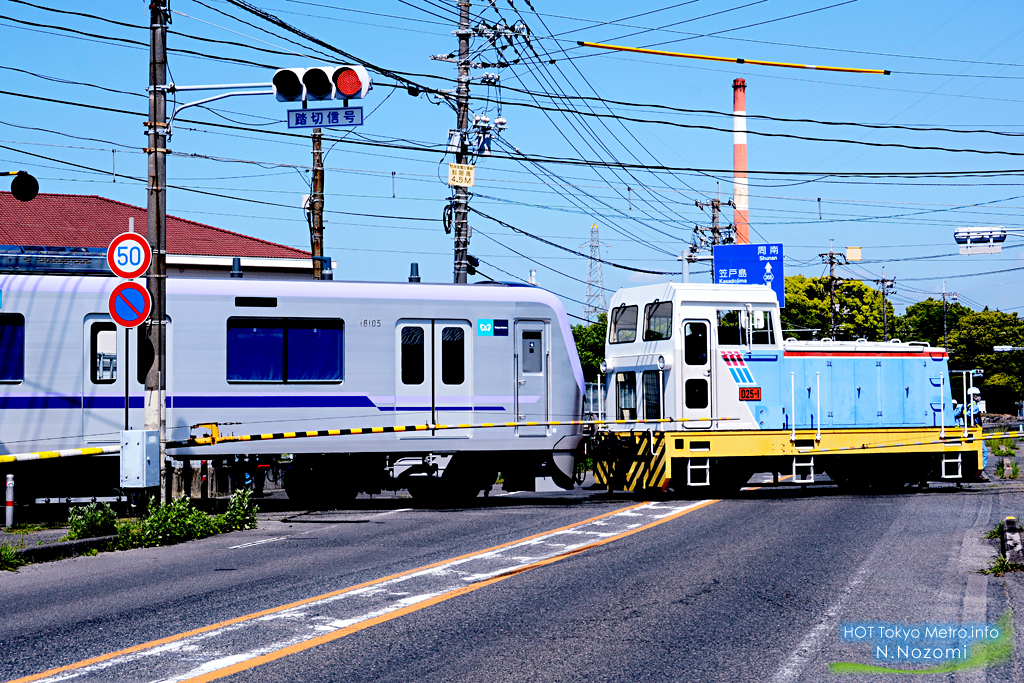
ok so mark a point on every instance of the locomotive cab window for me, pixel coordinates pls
(285, 350)
(625, 404)
(103, 351)
(658, 317)
(623, 325)
(732, 327)
(12, 347)
(652, 394)
(762, 331)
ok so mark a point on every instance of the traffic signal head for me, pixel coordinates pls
(474, 263)
(351, 82)
(288, 85)
(321, 83)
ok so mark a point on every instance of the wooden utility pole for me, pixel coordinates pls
(886, 285)
(156, 228)
(461, 207)
(316, 208)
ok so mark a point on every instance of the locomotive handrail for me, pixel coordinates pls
(214, 437)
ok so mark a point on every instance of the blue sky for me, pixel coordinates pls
(956, 66)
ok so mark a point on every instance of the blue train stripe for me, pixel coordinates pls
(748, 378)
(58, 402)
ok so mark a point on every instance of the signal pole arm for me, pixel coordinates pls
(206, 100)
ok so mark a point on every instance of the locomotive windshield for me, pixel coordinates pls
(623, 327)
(659, 321)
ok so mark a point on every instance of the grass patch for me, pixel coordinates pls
(178, 521)
(1003, 448)
(90, 521)
(997, 532)
(25, 528)
(1001, 566)
(10, 560)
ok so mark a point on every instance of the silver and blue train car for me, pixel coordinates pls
(744, 399)
(269, 356)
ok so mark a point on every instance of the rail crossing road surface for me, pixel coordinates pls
(525, 587)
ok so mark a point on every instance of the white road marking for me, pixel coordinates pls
(394, 512)
(211, 651)
(265, 540)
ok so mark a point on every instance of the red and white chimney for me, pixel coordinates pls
(741, 214)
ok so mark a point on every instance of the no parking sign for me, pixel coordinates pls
(129, 304)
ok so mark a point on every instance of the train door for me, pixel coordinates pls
(696, 373)
(103, 380)
(434, 373)
(414, 372)
(453, 373)
(532, 368)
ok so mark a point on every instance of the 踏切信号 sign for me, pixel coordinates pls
(325, 118)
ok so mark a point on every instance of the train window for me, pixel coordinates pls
(285, 350)
(659, 321)
(412, 355)
(533, 352)
(12, 347)
(762, 332)
(453, 355)
(695, 343)
(732, 328)
(103, 351)
(696, 391)
(625, 405)
(623, 327)
(315, 351)
(652, 395)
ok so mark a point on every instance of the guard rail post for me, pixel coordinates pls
(9, 517)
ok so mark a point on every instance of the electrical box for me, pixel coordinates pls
(140, 459)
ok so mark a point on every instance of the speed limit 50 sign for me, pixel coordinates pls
(129, 255)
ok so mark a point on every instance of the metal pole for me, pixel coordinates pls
(156, 211)
(9, 520)
(316, 228)
(125, 372)
(461, 192)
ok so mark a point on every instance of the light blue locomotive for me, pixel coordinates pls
(713, 358)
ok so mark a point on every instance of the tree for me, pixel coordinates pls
(590, 345)
(859, 308)
(970, 344)
(923, 321)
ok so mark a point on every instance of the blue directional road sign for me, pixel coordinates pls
(751, 264)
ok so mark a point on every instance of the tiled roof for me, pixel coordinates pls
(76, 220)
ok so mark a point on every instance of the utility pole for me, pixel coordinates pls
(595, 300)
(316, 208)
(832, 258)
(461, 208)
(955, 296)
(156, 225)
(887, 288)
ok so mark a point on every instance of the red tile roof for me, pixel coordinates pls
(76, 220)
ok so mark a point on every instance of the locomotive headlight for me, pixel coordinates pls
(661, 362)
(603, 367)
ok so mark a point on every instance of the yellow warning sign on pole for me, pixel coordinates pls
(461, 174)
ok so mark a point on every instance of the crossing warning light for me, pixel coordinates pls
(346, 82)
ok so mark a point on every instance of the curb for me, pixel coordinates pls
(64, 549)
(1013, 549)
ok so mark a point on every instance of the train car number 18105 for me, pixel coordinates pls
(750, 393)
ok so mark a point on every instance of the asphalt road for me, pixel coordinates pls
(754, 588)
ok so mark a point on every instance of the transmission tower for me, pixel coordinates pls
(595, 301)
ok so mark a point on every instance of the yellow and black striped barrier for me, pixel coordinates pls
(68, 453)
(214, 437)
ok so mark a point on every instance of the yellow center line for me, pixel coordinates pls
(273, 610)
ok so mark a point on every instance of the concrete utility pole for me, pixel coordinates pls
(887, 289)
(832, 258)
(156, 227)
(461, 208)
(955, 296)
(316, 208)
